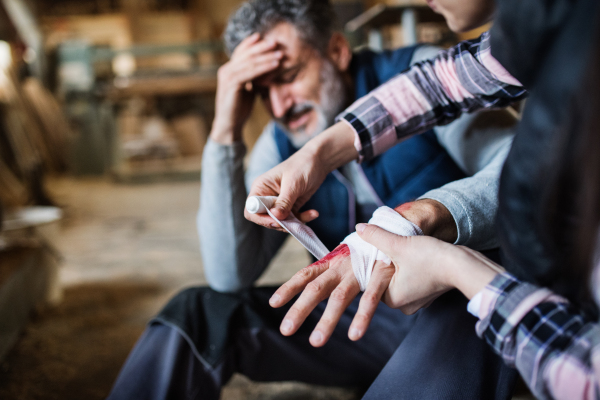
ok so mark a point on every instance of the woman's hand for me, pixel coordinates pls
(296, 179)
(425, 268)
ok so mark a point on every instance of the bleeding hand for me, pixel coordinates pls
(333, 278)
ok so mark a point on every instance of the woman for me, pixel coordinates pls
(549, 239)
(544, 46)
(553, 340)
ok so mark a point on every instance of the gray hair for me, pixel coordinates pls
(313, 19)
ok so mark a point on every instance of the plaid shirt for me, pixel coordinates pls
(464, 78)
(556, 350)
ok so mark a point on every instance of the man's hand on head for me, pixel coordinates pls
(251, 59)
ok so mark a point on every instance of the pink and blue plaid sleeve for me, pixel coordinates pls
(554, 347)
(464, 78)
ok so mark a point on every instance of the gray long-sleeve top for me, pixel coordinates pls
(236, 252)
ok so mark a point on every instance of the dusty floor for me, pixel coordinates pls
(127, 250)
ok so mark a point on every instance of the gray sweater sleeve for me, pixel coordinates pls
(479, 144)
(235, 251)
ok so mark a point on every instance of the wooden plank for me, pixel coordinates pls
(156, 86)
(381, 15)
(180, 169)
(57, 131)
(13, 192)
(190, 132)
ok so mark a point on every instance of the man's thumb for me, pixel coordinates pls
(380, 238)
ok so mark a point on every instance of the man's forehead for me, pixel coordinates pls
(296, 53)
(289, 42)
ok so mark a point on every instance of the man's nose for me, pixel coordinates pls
(280, 100)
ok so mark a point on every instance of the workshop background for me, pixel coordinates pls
(105, 107)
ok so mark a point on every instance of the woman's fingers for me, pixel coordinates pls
(297, 283)
(378, 284)
(385, 241)
(339, 300)
(308, 216)
(314, 293)
(268, 222)
(264, 220)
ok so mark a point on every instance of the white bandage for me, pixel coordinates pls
(364, 255)
(302, 233)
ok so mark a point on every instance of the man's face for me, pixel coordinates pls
(464, 15)
(306, 92)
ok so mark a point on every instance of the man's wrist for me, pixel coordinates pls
(432, 217)
(225, 135)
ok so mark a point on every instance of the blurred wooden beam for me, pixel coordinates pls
(157, 86)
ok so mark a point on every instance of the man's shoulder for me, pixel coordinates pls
(372, 68)
(425, 52)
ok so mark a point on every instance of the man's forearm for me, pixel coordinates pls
(432, 217)
(224, 133)
(222, 182)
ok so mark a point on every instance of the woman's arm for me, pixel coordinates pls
(464, 78)
(554, 347)
(550, 342)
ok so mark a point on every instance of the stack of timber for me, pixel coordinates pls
(34, 134)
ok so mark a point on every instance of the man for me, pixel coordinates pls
(287, 53)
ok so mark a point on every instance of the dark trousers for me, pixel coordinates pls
(433, 354)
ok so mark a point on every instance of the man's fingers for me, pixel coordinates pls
(385, 241)
(254, 68)
(378, 284)
(246, 43)
(262, 46)
(297, 283)
(314, 293)
(308, 216)
(339, 300)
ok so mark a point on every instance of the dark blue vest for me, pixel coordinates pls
(401, 174)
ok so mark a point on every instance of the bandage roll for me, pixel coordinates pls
(300, 231)
(260, 204)
(363, 255)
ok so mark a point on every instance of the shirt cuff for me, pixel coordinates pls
(505, 302)
(483, 303)
(373, 125)
(357, 144)
(217, 152)
(475, 304)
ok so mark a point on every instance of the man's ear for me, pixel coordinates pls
(339, 51)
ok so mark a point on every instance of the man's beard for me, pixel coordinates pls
(332, 101)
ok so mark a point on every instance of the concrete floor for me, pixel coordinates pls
(127, 249)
